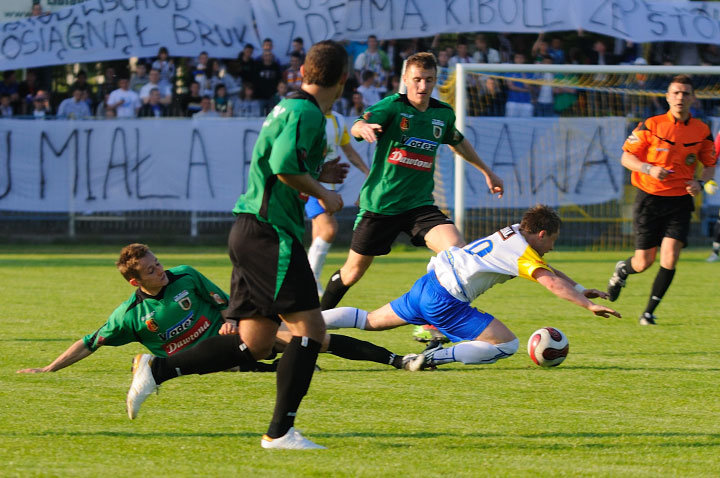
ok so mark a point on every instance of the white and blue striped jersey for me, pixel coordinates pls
(468, 272)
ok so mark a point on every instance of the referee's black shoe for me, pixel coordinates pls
(616, 282)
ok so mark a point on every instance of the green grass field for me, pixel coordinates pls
(628, 401)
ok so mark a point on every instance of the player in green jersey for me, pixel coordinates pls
(397, 195)
(271, 278)
(171, 310)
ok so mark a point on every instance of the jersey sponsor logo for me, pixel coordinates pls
(188, 337)
(690, 159)
(404, 124)
(217, 298)
(437, 131)
(419, 143)
(438, 122)
(152, 325)
(178, 328)
(411, 160)
(407, 115)
(183, 300)
(506, 233)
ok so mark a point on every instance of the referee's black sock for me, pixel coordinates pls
(212, 355)
(626, 268)
(294, 373)
(662, 281)
(354, 349)
(334, 292)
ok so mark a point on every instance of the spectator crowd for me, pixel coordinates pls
(251, 84)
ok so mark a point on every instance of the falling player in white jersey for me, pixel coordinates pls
(457, 276)
(324, 225)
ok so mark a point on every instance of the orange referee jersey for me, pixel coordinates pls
(674, 145)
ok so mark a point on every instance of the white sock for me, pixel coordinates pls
(316, 256)
(345, 318)
(475, 352)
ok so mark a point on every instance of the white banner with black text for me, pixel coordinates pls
(97, 30)
(201, 165)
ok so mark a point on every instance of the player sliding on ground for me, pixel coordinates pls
(457, 276)
(175, 310)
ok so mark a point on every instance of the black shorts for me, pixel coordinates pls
(656, 217)
(271, 274)
(374, 233)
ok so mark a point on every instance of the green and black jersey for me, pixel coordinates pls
(401, 174)
(184, 313)
(291, 141)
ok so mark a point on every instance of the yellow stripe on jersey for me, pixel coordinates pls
(529, 261)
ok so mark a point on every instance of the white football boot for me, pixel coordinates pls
(143, 384)
(292, 440)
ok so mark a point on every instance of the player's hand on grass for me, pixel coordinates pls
(333, 172)
(369, 131)
(495, 184)
(228, 329)
(332, 202)
(602, 311)
(32, 370)
(595, 293)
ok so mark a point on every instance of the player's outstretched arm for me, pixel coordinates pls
(564, 290)
(366, 131)
(74, 353)
(589, 293)
(468, 153)
(330, 200)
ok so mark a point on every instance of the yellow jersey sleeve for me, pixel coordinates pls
(528, 262)
(345, 137)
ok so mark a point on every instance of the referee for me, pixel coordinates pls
(663, 153)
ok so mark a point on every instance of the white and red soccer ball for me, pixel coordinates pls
(548, 347)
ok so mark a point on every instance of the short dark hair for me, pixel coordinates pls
(424, 60)
(367, 74)
(299, 40)
(325, 64)
(540, 218)
(682, 79)
(296, 54)
(129, 260)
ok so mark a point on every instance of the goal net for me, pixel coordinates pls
(554, 133)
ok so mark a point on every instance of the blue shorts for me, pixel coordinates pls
(313, 208)
(427, 302)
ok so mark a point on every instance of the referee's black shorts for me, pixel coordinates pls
(271, 274)
(656, 217)
(374, 233)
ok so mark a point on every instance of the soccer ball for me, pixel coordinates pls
(548, 347)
